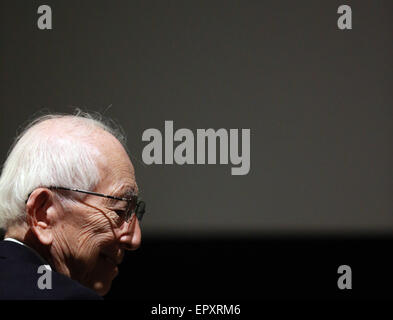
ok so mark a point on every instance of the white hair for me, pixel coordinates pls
(53, 150)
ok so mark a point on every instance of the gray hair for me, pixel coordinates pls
(44, 155)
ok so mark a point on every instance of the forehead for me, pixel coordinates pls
(115, 167)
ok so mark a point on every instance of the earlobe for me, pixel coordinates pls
(39, 209)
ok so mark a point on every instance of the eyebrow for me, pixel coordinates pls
(127, 194)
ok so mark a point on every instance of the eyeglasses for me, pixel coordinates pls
(133, 205)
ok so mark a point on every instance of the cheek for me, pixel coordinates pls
(93, 235)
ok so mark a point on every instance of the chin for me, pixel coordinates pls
(102, 288)
(101, 278)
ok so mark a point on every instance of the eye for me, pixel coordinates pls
(120, 213)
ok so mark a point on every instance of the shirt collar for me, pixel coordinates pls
(47, 266)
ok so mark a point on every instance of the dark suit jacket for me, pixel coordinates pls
(19, 278)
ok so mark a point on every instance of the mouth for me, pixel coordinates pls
(114, 262)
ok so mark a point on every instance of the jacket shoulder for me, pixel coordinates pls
(23, 278)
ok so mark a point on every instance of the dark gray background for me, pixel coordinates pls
(318, 101)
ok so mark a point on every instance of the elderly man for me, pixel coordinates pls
(69, 205)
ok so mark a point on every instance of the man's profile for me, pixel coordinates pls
(69, 202)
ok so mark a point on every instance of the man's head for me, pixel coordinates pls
(82, 236)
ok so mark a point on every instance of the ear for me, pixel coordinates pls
(41, 214)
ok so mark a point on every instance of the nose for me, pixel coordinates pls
(131, 235)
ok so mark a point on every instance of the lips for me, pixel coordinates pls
(110, 260)
(114, 261)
